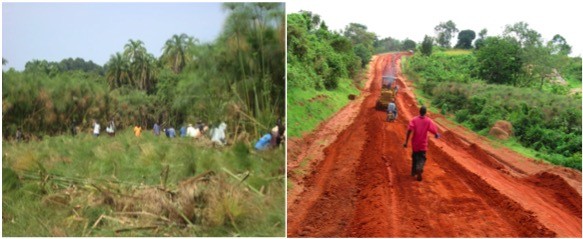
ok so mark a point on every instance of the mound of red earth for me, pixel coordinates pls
(501, 130)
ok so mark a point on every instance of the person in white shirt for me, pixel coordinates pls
(96, 128)
(190, 131)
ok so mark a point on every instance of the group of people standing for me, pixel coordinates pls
(216, 134)
(110, 129)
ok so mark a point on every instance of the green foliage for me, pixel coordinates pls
(363, 53)
(317, 58)
(178, 51)
(482, 37)
(559, 45)
(362, 40)
(42, 105)
(409, 44)
(499, 60)
(464, 39)
(441, 67)
(320, 64)
(391, 44)
(65, 65)
(427, 46)
(445, 32)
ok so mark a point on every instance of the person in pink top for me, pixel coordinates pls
(420, 125)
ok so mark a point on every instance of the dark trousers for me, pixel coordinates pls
(418, 162)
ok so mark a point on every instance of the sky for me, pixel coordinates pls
(95, 31)
(414, 19)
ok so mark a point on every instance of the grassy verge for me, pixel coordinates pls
(60, 187)
(307, 108)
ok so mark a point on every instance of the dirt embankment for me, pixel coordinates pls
(351, 178)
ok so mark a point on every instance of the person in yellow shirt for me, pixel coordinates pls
(138, 131)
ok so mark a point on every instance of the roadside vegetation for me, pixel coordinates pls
(515, 77)
(325, 67)
(56, 184)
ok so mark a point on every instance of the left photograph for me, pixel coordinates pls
(143, 119)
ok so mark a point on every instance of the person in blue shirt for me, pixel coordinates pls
(263, 142)
(170, 132)
(183, 131)
(156, 129)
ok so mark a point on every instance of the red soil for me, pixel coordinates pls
(351, 178)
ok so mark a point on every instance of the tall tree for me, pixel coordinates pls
(118, 71)
(142, 65)
(409, 44)
(523, 34)
(362, 40)
(499, 60)
(465, 39)
(427, 46)
(559, 45)
(445, 32)
(480, 41)
(178, 51)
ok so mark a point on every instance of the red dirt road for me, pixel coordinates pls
(351, 178)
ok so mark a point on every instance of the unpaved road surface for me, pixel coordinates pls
(352, 178)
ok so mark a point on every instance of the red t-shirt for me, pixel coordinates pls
(420, 125)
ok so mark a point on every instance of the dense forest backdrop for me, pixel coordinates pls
(239, 78)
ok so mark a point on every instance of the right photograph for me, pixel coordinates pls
(429, 119)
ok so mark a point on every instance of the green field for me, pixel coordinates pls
(308, 108)
(86, 186)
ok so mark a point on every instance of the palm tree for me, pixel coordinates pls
(134, 50)
(143, 65)
(178, 51)
(118, 71)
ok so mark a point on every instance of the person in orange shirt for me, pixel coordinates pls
(138, 131)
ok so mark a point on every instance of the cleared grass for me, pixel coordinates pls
(60, 187)
(307, 108)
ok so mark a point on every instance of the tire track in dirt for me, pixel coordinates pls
(363, 187)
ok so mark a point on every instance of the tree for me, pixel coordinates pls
(363, 53)
(142, 65)
(480, 41)
(538, 60)
(118, 71)
(445, 32)
(4, 61)
(387, 44)
(427, 46)
(314, 20)
(409, 44)
(465, 39)
(559, 45)
(178, 51)
(362, 40)
(499, 60)
(523, 34)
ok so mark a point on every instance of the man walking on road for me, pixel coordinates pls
(420, 125)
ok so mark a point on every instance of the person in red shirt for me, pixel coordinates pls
(420, 125)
